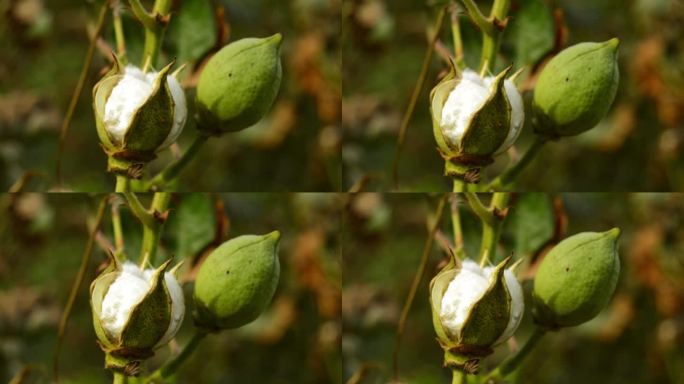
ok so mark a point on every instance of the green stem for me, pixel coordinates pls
(491, 38)
(458, 377)
(456, 37)
(508, 177)
(123, 184)
(478, 18)
(152, 232)
(456, 225)
(458, 185)
(491, 231)
(118, 231)
(511, 364)
(155, 33)
(146, 218)
(118, 31)
(172, 171)
(485, 215)
(119, 378)
(172, 366)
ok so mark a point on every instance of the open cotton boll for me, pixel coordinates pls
(466, 289)
(468, 97)
(130, 93)
(128, 290)
(123, 295)
(463, 101)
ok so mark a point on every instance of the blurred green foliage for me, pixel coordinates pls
(639, 338)
(42, 238)
(639, 146)
(296, 147)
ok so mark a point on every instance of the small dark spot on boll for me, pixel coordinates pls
(227, 272)
(567, 269)
(566, 79)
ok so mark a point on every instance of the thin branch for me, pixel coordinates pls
(414, 97)
(85, 260)
(416, 282)
(78, 91)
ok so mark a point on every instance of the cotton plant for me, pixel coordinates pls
(138, 308)
(140, 110)
(478, 112)
(478, 301)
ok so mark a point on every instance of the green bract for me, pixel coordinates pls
(238, 85)
(576, 279)
(576, 89)
(237, 281)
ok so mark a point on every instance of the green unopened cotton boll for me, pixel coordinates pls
(239, 84)
(576, 279)
(237, 281)
(576, 89)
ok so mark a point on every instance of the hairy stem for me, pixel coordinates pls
(508, 177)
(456, 37)
(172, 366)
(172, 171)
(512, 363)
(457, 228)
(416, 282)
(414, 96)
(155, 33)
(118, 231)
(485, 215)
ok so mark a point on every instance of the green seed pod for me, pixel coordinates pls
(576, 89)
(237, 281)
(576, 279)
(238, 85)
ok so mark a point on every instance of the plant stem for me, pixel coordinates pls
(491, 38)
(152, 231)
(85, 260)
(480, 210)
(118, 31)
(172, 171)
(456, 37)
(118, 232)
(456, 225)
(505, 179)
(414, 96)
(123, 184)
(491, 231)
(77, 91)
(458, 377)
(458, 185)
(172, 366)
(155, 33)
(512, 363)
(416, 282)
(146, 218)
(119, 378)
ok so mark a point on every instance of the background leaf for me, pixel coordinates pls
(195, 224)
(193, 30)
(531, 222)
(531, 31)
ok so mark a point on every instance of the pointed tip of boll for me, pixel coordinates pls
(613, 44)
(614, 233)
(275, 236)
